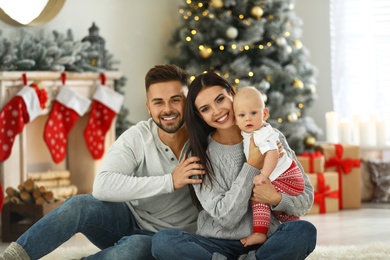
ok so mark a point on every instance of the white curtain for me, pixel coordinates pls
(360, 58)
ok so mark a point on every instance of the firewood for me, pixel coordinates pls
(40, 201)
(26, 197)
(53, 183)
(48, 196)
(49, 175)
(36, 193)
(15, 200)
(29, 185)
(64, 192)
(11, 192)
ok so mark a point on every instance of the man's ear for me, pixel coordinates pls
(147, 107)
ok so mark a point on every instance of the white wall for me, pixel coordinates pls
(136, 33)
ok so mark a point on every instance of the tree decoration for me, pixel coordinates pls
(205, 51)
(266, 54)
(216, 3)
(310, 141)
(257, 12)
(232, 32)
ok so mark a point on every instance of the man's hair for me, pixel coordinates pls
(165, 73)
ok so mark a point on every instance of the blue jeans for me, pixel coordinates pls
(110, 226)
(292, 240)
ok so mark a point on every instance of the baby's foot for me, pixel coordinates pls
(254, 239)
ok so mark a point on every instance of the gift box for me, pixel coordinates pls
(326, 192)
(312, 162)
(345, 160)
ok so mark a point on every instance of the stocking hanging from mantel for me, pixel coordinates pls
(22, 109)
(67, 108)
(105, 105)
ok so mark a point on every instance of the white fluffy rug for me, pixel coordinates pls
(371, 251)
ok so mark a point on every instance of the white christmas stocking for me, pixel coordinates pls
(67, 109)
(106, 104)
(20, 110)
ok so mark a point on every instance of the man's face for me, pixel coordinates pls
(165, 103)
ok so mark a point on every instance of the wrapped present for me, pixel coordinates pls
(326, 192)
(312, 162)
(345, 160)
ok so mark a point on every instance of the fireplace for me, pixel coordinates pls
(30, 152)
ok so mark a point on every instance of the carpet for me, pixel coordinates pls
(371, 251)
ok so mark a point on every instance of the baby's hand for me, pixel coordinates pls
(259, 179)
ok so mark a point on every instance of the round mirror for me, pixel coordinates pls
(34, 12)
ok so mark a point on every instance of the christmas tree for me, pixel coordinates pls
(253, 43)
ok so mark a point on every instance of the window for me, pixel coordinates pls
(360, 58)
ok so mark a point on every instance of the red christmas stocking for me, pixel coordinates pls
(1, 197)
(20, 110)
(106, 104)
(67, 109)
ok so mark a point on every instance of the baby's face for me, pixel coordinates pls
(249, 113)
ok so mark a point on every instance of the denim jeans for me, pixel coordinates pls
(292, 240)
(108, 225)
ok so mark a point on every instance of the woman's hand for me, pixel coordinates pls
(256, 158)
(266, 193)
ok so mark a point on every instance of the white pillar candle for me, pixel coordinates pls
(372, 119)
(380, 133)
(345, 133)
(332, 131)
(364, 131)
(355, 129)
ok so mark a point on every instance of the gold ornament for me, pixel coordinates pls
(205, 52)
(216, 3)
(292, 117)
(297, 83)
(257, 12)
(310, 141)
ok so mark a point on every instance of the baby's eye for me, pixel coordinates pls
(254, 113)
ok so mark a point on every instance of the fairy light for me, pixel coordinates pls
(181, 11)
(226, 75)
(250, 74)
(205, 12)
(188, 2)
(261, 46)
(201, 47)
(280, 120)
(269, 44)
(193, 32)
(246, 47)
(241, 16)
(234, 46)
(211, 16)
(200, 4)
(221, 47)
(196, 18)
(236, 81)
(188, 38)
(287, 34)
(300, 105)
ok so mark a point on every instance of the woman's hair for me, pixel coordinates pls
(198, 130)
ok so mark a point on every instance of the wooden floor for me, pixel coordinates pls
(371, 223)
(347, 227)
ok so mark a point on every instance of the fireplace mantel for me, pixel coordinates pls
(30, 152)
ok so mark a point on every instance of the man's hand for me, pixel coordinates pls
(187, 168)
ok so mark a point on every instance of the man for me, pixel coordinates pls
(141, 186)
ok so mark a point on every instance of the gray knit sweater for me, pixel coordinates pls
(227, 213)
(137, 169)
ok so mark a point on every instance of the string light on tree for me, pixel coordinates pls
(205, 51)
(298, 83)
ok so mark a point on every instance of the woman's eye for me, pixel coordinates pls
(219, 100)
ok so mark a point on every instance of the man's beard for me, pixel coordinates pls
(170, 129)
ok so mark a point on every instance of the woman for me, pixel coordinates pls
(226, 189)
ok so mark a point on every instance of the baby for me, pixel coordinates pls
(284, 174)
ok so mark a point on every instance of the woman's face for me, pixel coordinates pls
(215, 106)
